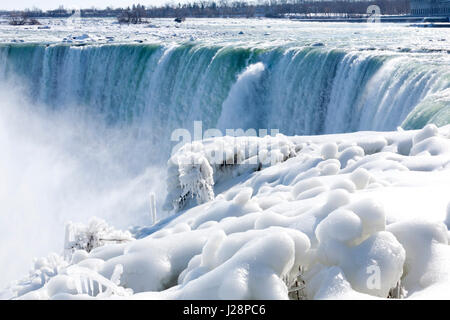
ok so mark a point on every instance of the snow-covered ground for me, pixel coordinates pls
(397, 37)
(346, 216)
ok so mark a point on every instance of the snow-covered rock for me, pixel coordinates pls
(349, 216)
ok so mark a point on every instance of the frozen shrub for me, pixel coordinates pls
(376, 265)
(243, 196)
(350, 153)
(360, 178)
(347, 185)
(341, 225)
(305, 185)
(88, 237)
(329, 151)
(422, 241)
(196, 180)
(433, 146)
(430, 130)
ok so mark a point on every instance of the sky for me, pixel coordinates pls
(53, 4)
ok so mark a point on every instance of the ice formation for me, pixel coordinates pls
(348, 216)
(96, 234)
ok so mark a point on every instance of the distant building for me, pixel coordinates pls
(430, 7)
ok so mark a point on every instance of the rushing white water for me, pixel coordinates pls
(85, 127)
(320, 90)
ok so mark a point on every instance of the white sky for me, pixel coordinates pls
(53, 4)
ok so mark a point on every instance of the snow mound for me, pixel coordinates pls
(427, 256)
(347, 216)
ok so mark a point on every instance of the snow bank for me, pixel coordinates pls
(344, 216)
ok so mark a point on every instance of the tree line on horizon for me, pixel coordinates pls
(226, 8)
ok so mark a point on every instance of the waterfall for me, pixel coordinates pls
(85, 129)
(155, 89)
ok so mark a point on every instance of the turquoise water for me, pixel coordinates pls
(300, 90)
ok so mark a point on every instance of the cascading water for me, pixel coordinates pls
(92, 126)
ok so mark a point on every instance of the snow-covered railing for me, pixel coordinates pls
(85, 280)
